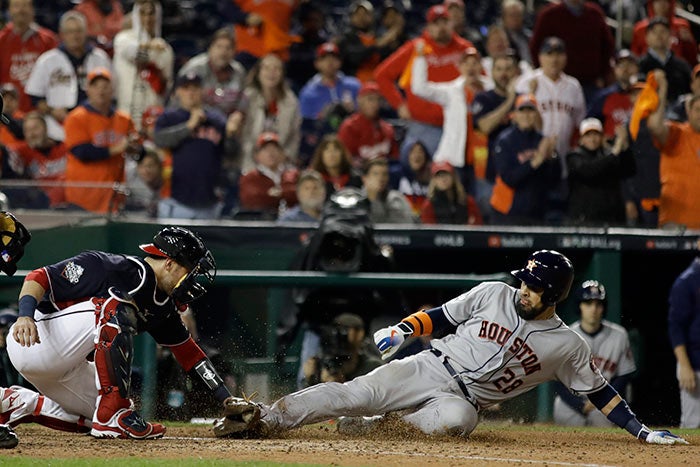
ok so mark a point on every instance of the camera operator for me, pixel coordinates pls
(343, 355)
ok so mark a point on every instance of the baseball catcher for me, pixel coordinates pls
(73, 339)
(14, 236)
(504, 342)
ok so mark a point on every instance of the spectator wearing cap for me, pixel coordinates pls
(270, 188)
(22, 41)
(525, 169)
(272, 106)
(386, 205)
(589, 42)
(41, 159)
(262, 27)
(679, 170)
(443, 53)
(366, 135)
(683, 42)
(595, 176)
(448, 201)
(513, 22)
(361, 48)
(200, 140)
(326, 99)
(223, 78)
(11, 133)
(454, 97)
(659, 56)
(311, 195)
(492, 111)
(56, 84)
(144, 62)
(459, 21)
(677, 110)
(98, 139)
(560, 97)
(613, 106)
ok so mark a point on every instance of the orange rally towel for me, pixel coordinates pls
(647, 103)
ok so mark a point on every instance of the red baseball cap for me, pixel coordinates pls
(442, 166)
(327, 48)
(266, 138)
(369, 87)
(437, 12)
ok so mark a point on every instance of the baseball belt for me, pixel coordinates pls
(450, 369)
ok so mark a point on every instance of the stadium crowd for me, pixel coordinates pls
(462, 112)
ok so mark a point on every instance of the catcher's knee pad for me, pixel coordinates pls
(114, 342)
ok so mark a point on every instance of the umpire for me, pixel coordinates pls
(684, 333)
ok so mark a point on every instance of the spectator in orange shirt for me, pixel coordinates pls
(12, 132)
(21, 43)
(683, 43)
(98, 138)
(365, 134)
(680, 165)
(104, 19)
(38, 158)
(444, 51)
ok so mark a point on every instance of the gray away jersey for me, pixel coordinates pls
(610, 348)
(500, 355)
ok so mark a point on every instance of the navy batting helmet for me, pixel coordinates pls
(591, 290)
(188, 250)
(549, 270)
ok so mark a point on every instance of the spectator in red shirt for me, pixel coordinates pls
(12, 132)
(332, 160)
(581, 25)
(444, 51)
(683, 43)
(271, 186)
(42, 159)
(448, 201)
(363, 133)
(21, 43)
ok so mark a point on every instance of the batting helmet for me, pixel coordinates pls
(188, 250)
(549, 270)
(591, 290)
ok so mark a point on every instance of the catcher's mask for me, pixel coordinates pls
(14, 236)
(188, 250)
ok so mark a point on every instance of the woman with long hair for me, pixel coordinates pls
(272, 107)
(448, 202)
(332, 160)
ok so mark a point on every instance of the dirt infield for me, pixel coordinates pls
(490, 444)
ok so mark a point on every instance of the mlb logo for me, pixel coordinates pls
(6, 256)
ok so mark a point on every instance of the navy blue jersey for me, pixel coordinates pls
(484, 103)
(92, 273)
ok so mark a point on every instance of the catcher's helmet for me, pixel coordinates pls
(188, 250)
(591, 290)
(549, 270)
(13, 237)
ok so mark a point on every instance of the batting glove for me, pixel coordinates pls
(388, 340)
(664, 437)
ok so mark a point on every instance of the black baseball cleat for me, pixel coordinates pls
(8, 438)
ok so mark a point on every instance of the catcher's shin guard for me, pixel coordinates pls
(116, 326)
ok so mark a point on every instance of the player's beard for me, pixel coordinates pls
(528, 312)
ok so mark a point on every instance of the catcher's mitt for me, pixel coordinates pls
(8, 438)
(241, 419)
